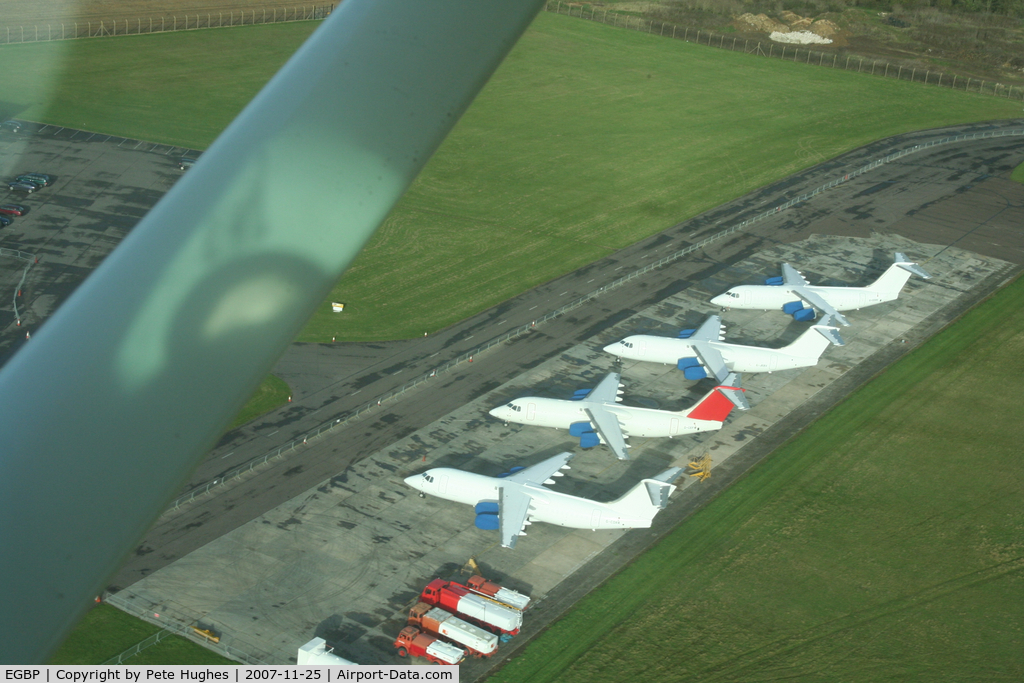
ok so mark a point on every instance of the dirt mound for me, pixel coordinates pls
(760, 22)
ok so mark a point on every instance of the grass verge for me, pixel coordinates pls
(587, 139)
(883, 543)
(1018, 174)
(272, 393)
(106, 632)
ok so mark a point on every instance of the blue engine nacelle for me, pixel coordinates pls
(580, 394)
(487, 521)
(804, 315)
(580, 428)
(589, 440)
(684, 363)
(686, 334)
(510, 472)
(486, 507)
(792, 307)
(776, 281)
(695, 372)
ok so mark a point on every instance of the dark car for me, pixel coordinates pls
(186, 163)
(27, 188)
(40, 179)
(13, 209)
(10, 126)
(4, 221)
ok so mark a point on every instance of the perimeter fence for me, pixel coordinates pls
(343, 420)
(173, 624)
(771, 49)
(125, 26)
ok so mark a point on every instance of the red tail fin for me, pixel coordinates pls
(715, 407)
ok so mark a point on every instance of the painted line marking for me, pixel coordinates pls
(532, 307)
(563, 293)
(620, 267)
(355, 392)
(503, 321)
(433, 354)
(590, 280)
(273, 432)
(470, 337)
(224, 456)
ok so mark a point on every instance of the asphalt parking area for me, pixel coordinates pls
(103, 186)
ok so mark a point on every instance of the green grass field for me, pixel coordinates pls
(882, 544)
(272, 393)
(1018, 174)
(105, 632)
(587, 139)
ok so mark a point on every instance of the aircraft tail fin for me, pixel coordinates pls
(647, 498)
(714, 407)
(891, 283)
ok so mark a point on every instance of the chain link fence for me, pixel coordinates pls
(341, 421)
(175, 623)
(770, 49)
(97, 28)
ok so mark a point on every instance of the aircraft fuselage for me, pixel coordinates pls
(644, 422)
(769, 297)
(545, 506)
(738, 358)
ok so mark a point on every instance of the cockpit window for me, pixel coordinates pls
(734, 295)
(514, 407)
(428, 477)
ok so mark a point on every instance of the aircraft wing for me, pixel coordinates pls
(793, 277)
(710, 330)
(607, 391)
(607, 425)
(816, 300)
(513, 508)
(711, 358)
(542, 472)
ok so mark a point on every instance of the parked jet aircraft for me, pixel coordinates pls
(512, 501)
(702, 351)
(595, 416)
(791, 291)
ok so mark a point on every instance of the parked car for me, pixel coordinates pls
(10, 126)
(186, 163)
(4, 221)
(27, 188)
(40, 179)
(13, 209)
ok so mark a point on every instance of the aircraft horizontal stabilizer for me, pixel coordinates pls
(906, 264)
(659, 488)
(731, 390)
(829, 332)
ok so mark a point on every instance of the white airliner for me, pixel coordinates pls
(791, 291)
(701, 352)
(595, 416)
(511, 502)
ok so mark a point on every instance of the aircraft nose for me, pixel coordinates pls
(720, 300)
(414, 481)
(612, 349)
(496, 412)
